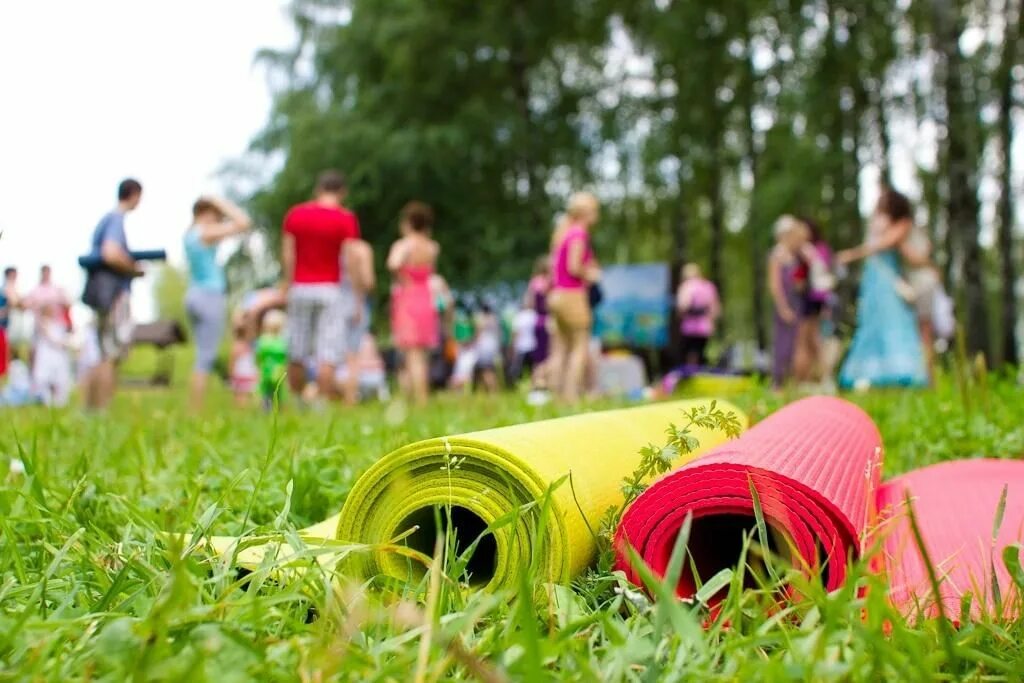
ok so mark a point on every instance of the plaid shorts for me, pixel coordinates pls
(316, 324)
(114, 329)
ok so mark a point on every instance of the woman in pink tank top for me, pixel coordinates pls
(574, 269)
(415, 323)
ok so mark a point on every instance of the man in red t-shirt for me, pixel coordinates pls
(311, 244)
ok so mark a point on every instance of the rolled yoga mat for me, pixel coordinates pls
(489, 475)
(499, 471)
(956, 506)
(91, 262)
(815, 467)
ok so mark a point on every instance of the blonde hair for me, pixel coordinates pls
(274, 321)
(786, 224)
(580, 204)
(691, 271)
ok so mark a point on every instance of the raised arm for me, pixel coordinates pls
(236, 221)
(893, 236)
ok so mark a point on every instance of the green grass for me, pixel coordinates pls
(90, 588)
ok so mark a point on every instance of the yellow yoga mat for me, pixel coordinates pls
(572, 466)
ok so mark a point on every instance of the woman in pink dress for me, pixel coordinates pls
(415, 324)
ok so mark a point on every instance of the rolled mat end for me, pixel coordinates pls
(957, 505)
(505, 480)
(814, 466)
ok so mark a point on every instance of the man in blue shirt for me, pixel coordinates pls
(113, 326)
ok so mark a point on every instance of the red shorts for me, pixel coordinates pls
(4, 352)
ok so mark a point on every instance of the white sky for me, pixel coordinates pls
(99, 90)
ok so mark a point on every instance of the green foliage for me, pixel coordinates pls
(697, 122)
(658, 460)
(460, 104)
(91, 586)
(169, 287)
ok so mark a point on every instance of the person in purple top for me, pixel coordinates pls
(537, 299)
(783, 263)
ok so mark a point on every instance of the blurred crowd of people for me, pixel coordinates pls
(310, 341)
(37, 355)
(902, 306)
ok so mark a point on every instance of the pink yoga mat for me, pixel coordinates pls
(955, 504)
(815, 467)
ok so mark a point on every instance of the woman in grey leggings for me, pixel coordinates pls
(213, 220)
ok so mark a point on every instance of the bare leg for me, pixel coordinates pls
(816, 348)
(326, 386)
(557, 361)
(100, 385)
(576, 365)
(87, 386)
(928, 342)
(351, 388)
(807, 359)
(296, 378)
(801, 353)
(416, 368)
(197, 389)
(539, 376)
(490, 381)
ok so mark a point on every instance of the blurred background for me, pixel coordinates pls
(697, 122)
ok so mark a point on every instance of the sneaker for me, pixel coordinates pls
(537, 398)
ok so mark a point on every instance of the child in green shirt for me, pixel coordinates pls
(272, 358)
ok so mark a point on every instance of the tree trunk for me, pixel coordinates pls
(757, 251)
(963, 196)
(884, 139)
(519, 64)
(717, 218)
(680, 245)
(1006, 208)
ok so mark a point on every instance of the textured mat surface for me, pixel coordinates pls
(815, 467)
(490, 475)
(496, 472)
(955, 504)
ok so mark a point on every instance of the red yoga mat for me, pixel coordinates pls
(955, 504)
(815, 467)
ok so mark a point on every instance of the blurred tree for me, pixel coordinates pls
(697, 122)
(1005, 85)
(476, 108)
(963, 153)
(169, 287)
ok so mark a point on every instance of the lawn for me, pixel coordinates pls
(91, 587)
